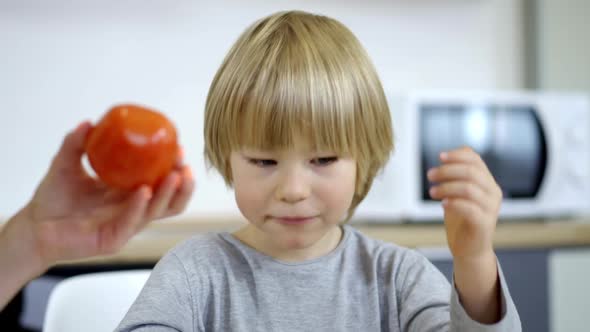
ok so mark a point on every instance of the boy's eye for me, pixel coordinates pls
(262, 162)
(324, 161)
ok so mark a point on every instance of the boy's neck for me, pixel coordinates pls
(254, 238)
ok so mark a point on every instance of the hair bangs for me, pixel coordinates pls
(298, 95)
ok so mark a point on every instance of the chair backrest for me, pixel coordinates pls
(93, 302)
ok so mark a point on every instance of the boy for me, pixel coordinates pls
(297, 123)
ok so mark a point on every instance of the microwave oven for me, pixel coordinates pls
(535, 144)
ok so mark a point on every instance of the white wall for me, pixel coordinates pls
(564, 45)
(65, 61)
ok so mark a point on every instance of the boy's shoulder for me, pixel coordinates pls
(380, 250)
(200, 246)
(391, 261)
(369, 243)
(200, 252)
(384, 253)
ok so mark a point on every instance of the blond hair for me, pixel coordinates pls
(295, 74)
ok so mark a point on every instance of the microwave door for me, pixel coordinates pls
(519, 158)
(509, 139)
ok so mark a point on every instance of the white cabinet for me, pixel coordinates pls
(569, 290)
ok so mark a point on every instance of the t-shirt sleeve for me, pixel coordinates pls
(165, 303)
(423, 295)
(428, 303)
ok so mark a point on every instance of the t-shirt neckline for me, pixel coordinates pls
(227, 236)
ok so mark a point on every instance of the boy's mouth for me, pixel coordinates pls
(295, 220)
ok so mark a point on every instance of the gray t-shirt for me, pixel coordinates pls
(214, 282)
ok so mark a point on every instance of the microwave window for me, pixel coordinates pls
(510, 140)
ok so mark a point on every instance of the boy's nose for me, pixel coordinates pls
(293, 187)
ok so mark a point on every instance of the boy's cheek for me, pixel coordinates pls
(249, 205)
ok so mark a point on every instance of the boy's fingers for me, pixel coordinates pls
(463, 190)
(465, 208)
(462, 155)
(463, 172)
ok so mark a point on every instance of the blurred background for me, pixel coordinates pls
(62, 62)
(66, 61)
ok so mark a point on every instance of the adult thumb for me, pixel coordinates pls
(72, 147)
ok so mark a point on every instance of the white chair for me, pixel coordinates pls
(94, 302)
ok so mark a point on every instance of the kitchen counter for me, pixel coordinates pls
(149, 245)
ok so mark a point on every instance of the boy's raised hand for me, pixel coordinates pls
(471, 201)
(72, 215)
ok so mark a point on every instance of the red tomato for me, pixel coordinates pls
(132, 145)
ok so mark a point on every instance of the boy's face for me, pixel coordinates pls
(293, 198)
